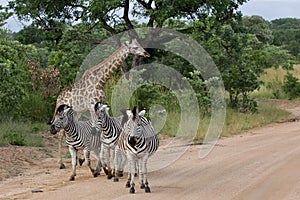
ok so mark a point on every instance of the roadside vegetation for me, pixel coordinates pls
(257, 60)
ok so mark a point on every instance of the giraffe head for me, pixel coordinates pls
(136, 49)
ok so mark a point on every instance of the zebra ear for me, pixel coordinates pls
(142, 113)
(97, 106)
(129, 113)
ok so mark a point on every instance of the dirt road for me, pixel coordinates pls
(259, 164)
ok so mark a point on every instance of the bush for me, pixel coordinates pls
(21, 133)
(291, 86)
(14, 138)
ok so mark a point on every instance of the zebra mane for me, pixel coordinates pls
(135, 112)
(62, 108)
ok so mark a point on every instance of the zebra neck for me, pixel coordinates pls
(71, 129)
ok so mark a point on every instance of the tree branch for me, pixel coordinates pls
(125, 15)
(107, 27)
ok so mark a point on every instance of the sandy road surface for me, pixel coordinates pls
(260, 164)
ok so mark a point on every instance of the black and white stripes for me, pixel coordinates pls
(139, 141)
(111, 128)
(130, 136)
(78, 136)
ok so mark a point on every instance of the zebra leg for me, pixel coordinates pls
(132, 163)
(120, 161)
(81, 161)
(109, 173)
(60, 137)
(87, 158)
(98, 169)
(103, 158)
(144, 173)
(118, 170)
(128, 176)
(73, 153)
(140, 171)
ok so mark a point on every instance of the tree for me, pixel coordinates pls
(258, 26)
(4, 15)
(286, 33)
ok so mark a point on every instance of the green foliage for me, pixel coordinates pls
(237, 53)
(201, 89)
(259, 27)
(21, 133)
(291, 86)
(286, 33)
(14, 138)
(4, 15)
(14, 75)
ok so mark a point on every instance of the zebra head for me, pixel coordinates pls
(61, 118)
(136, 49)
(134, 126)
(101, 111)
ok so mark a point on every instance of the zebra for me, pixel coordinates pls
(111, 128)
(139, 141)
(78, 136)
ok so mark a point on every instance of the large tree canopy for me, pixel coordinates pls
(116, 15)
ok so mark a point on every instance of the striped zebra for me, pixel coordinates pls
(139, 141)
(111, 128)
(78, 136)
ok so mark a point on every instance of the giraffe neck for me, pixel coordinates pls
(104, 72)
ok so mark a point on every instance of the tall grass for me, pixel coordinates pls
(21, 133)
(235, 122)
(273, 81)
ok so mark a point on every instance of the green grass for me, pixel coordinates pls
(235, 122)
(21, 133)
(273, 81)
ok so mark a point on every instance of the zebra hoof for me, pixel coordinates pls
(128, 184)
(132, 190)
(72, 178)
(143, 186)
(120, 173)
(62, 166)
(105, 171)
(109, 176)
(116, 179)
(95, 174)
(147, 189)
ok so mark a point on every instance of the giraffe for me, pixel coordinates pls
(89, 89)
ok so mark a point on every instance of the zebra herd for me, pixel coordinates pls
(130, 137)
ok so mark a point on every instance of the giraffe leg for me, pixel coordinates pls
(59, 153)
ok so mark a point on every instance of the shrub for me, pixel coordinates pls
(291, 86)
